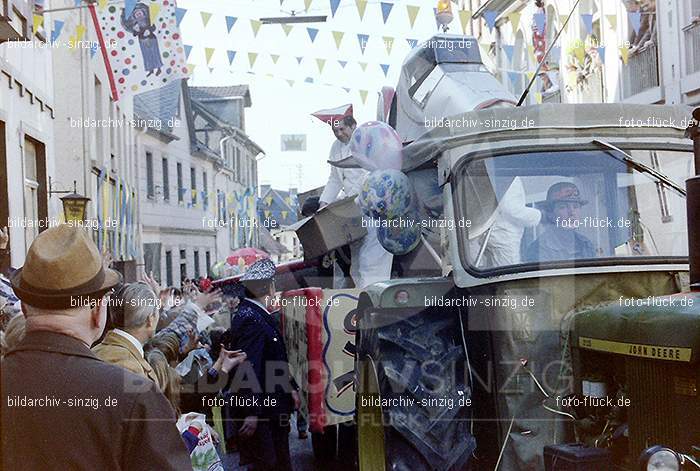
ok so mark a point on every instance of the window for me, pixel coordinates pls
(196, 263)
(237, 165)
(193, 185)
(183, 264)
(169, 268)
(35, 194)
(205, 189)
(207, 260)
(183, 254)
(549, 208)
(180, 186)
(166, 180)
(149, 176)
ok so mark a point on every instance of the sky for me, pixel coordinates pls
(279, 108)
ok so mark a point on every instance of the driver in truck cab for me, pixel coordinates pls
(561, 239)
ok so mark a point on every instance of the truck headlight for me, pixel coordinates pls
(659, 458)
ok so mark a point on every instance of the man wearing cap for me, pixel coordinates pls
(263, 393)
(62, 407)
(370, 262)
(561, 240)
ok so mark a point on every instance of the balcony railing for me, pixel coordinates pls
(641, 72)
(15, 16)
(692, 48)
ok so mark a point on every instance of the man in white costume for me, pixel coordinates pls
(370, 263)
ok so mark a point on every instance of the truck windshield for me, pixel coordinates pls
(554, 208)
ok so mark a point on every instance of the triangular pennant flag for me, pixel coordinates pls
(363, 38)
(309, 80)
(268, 200)
(347, 89)
(529, 76)
(312, 33)
(514, 77)
(385, 68)
(102, 4)
(275, 58)
(338, 36)
(252, 57)
(287, 29)
(625, 53)
(231, 56)
(538, 98)
(334, 6)
(562, 20)
(363, 95)
(343, 63)
(179, 15)
(255, 26)
(191, 67)
(636, 20)
(540, 20)
(205, 18)
(412, 11)
(38, 21)
(307, 4)
(129, 6)
(93, 49)
(437, 20)
(361, 7)
(514, 19)
(386, 10)
(509, 52)
(490, 18)
(388, 43)
(580, 52)
(290, 82)
(555, 53)
(464, 17)
(153, 10)
(363, 66)
(211, 70)
(299, 59)
(612, 20)
(587, 19)
(321, 63)
(230, 21)
(601, 54)
(531, 51)
(412, 42)
(80, 31)
(208, 52)
(188, 49)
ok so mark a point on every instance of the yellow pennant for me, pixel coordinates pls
(538, 98)
(580, 52)
(571, 79)
(307, 4)
(290, 82)
(154, 9)
(267, 213)
(191, 68)
(208, 52)
(275, 58)
(531, 51)
(412, 14)
(79, 32)
(363, 95)
(388, 43)
(363, 66)
(612, 19)
(284, 214)
(268, 200)
(321, 63)
(38, 21)
(287, 29)
(514, 19)
(529, 76)
(252, 57)
(625, 53)
(255, 25)
(464, 17)
(338, 36)
(102, 4)
(205, 18)
(361, 6)
(562, 20)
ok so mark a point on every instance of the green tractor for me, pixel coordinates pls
(559, 329)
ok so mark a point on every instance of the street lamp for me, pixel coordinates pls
(74, 204)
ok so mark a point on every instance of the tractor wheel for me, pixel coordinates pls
(412, 393)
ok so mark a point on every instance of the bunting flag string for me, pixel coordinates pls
(464, 17)
(514, 19)
(312, 33)
(412, 11)
(230, 21)
(287, 29)
(255, 26)
(361, 7)
(205, 18)
(334, 6)
(490, 19)
(386, 10)
(338, 37)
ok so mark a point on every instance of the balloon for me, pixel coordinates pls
(399, 236)
(386, 194)
(376, 146)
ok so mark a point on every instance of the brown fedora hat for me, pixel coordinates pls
(62, 264)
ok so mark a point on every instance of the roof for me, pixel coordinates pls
(560, 120)
(159, 105)
(207, 94)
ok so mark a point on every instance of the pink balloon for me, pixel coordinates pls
(376, 146)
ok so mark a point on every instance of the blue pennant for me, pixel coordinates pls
(385, 68)
(231, 56)
(343, 63)
(601, 54)
(540, 20)
(509, 52)
(412, 42)
(179, 15)
(490, 18)
(129, 6)
(514, 78)
(312, 33)
(334, 6)
(309, 80)
(57, 27)
(587, 19)
(363, 38)
(230, 21)
(188, 49)
(636, 20)
(299, 59)
(386, 9)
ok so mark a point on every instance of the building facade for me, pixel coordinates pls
(635, 51)
(27, 120)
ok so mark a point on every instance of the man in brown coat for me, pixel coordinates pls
(62, 407)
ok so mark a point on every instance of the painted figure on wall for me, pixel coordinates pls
(138, 23)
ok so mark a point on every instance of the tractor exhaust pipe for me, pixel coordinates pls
(692, 186)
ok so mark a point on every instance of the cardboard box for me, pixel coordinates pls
(337, 224)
